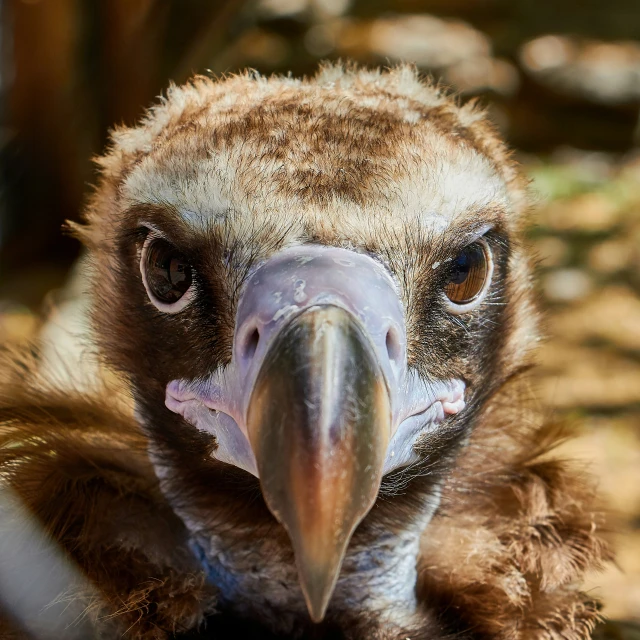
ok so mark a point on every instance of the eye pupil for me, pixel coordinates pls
(461, 268)
(468, 274)
(168, 272)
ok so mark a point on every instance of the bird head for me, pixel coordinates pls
(312, 286)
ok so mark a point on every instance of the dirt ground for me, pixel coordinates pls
(587, 236)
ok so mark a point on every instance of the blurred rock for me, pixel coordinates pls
(320, 39)
(580, 377)
(428, 41)
(280, 8)
(555, 180)
(551, 251)
(591, 166)
(602, 72)
(452, 49)
(586, 212)
(256, 45)
(484, 74)
(17, 323)
(327, 9)
(611, 256)
(565, 285)
(612, 315)
(630, 166)
(610, 448)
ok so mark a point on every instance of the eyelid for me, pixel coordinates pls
(466, 239)
(153, 232)
(479, 234)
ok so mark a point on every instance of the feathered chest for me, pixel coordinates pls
(256, 575)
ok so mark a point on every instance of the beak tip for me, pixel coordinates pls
(316, 611)
(317, 616)
(318, 575)
(317, 596)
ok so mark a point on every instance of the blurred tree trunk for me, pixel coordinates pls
(72, 70)
(131, 34)
(48, 136)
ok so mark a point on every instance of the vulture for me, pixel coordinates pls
(312, 308)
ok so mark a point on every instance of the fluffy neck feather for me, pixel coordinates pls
(255, 571)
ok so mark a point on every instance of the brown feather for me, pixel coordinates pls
(81, 467)
(354, 159)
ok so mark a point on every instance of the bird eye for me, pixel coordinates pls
(469, 273)
(166, 273)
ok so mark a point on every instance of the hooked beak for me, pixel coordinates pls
(319, 423)
(318, 401)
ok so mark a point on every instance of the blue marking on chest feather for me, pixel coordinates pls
(217, 574)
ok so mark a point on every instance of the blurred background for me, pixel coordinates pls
(561, 79)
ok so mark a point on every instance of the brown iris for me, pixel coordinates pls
(468, 273)
(168, 272)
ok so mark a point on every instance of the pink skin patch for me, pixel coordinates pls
(284, 286)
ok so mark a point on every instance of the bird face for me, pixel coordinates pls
(308, 285)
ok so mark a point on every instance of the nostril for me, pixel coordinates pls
(251, 344)
(394, 350)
